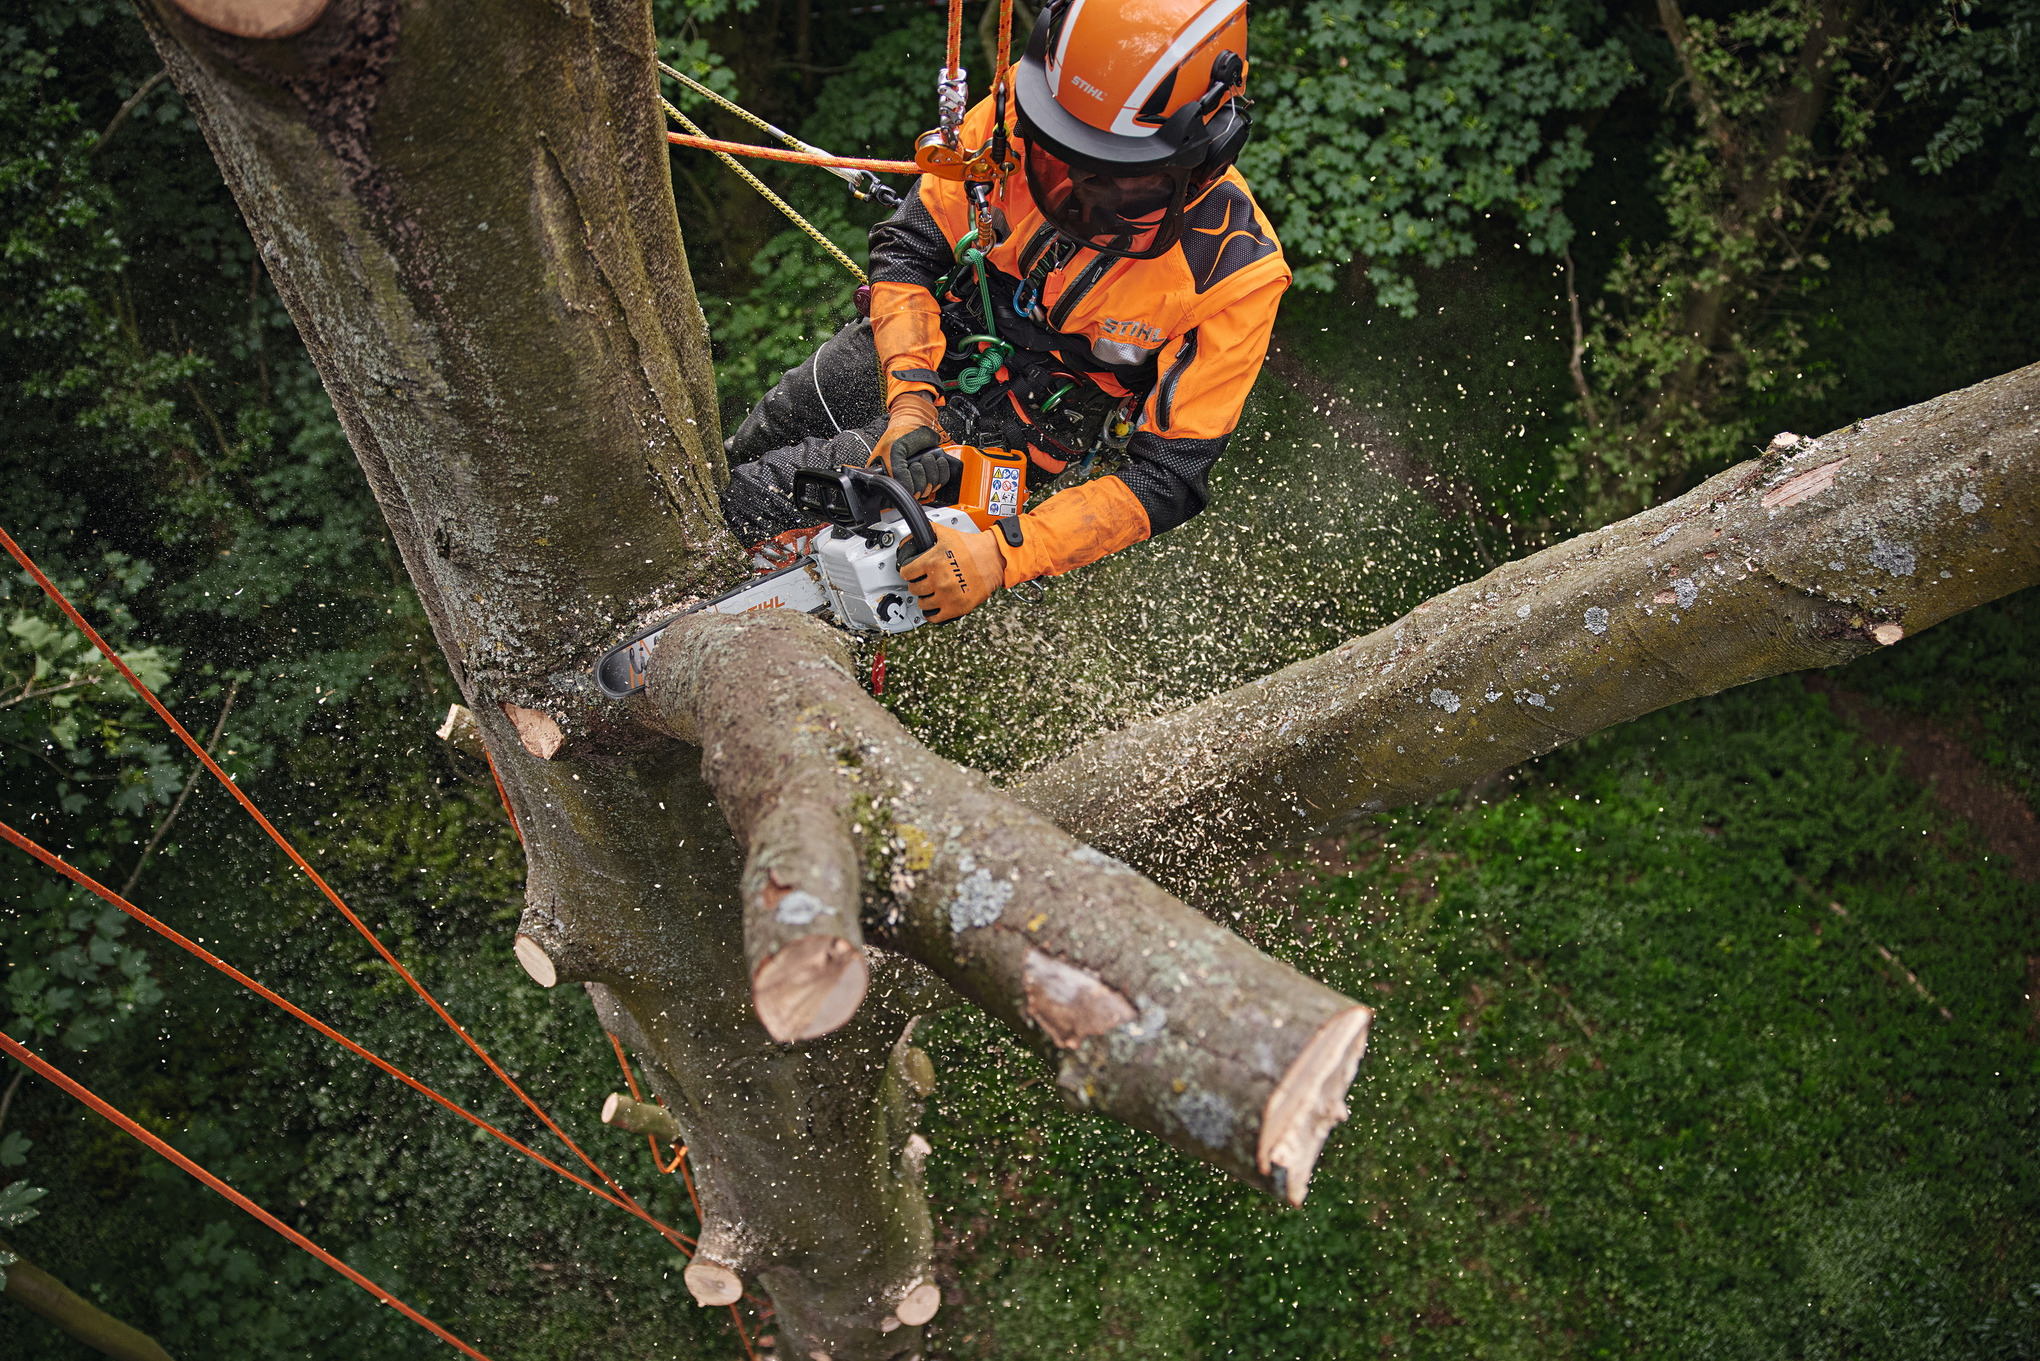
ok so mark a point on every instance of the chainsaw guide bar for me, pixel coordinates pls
(851, 573)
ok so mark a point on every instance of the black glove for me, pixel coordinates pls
(919, 463)
(908, 450)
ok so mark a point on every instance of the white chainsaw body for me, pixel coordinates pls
(850, 573)
(860, 573)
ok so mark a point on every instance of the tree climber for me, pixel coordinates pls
(1133, 275)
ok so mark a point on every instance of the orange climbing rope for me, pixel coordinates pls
(497, 776)
(183, 942)
(999, 76)
(773, 153)
(953, 61)
(78, 620)
(15, 1049)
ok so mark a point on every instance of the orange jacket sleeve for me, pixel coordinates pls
(911, 253)
(906, 325)
(1073, 528)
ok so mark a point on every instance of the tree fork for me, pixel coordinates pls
(1817, 552)
(1151, 1013)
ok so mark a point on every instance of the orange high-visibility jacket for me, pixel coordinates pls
(1188, 330)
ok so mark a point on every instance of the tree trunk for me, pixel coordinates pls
(469, 214)
(1818, 552)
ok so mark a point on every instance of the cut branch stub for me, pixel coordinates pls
(462, 732)
(539, 732)
(255, 18)
(920, 1305)
(640, 1117)
(801, 937)
(1152, 1014)
(712, 1284)
(784, 778)
(535, 960)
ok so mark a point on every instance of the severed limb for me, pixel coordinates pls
(1152, 1014)
(1817, 552)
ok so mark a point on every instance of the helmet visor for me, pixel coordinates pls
(1137, 216)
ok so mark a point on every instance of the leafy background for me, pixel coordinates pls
(1638, 1086)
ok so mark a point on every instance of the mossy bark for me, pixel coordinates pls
(1817, 552)
(468, 211)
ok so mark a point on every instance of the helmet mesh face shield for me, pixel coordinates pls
(1137, 216)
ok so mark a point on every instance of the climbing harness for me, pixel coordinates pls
(983, 370)
(983, 170)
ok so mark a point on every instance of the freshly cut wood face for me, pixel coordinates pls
(1803, 486)
(1310, 1099)
(920, 1304)
(809, 988)
(255, 18)
(536, 961)
(536, 729)
(712, 1284)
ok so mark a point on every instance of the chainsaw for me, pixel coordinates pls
(848, 566)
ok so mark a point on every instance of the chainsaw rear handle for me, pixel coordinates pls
(855, 497)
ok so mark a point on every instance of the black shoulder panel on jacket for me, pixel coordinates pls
(908, 248)
(1222, 235)
(1169, 476)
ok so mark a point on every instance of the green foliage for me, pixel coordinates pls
(17, 1206)
(1385, 132)
(1986, 57)
(798, 296)
(72, 732)
(62, 706)
(886, 98)
(1696, 322)
(1635, 1087)
(801, 298)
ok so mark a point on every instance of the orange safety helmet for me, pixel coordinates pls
(1130, 110)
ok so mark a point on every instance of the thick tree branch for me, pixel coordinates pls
(1152, 1014)
(34, 1289)
(1816, 553)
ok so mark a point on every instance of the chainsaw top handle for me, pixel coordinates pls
(856, 497)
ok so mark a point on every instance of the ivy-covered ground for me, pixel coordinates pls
(1651, 1075)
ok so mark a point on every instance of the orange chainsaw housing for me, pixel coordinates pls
(994, 482)
(993, 485)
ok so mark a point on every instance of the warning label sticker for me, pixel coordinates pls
(1005, 498)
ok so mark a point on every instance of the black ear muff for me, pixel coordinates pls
(1229, 127)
